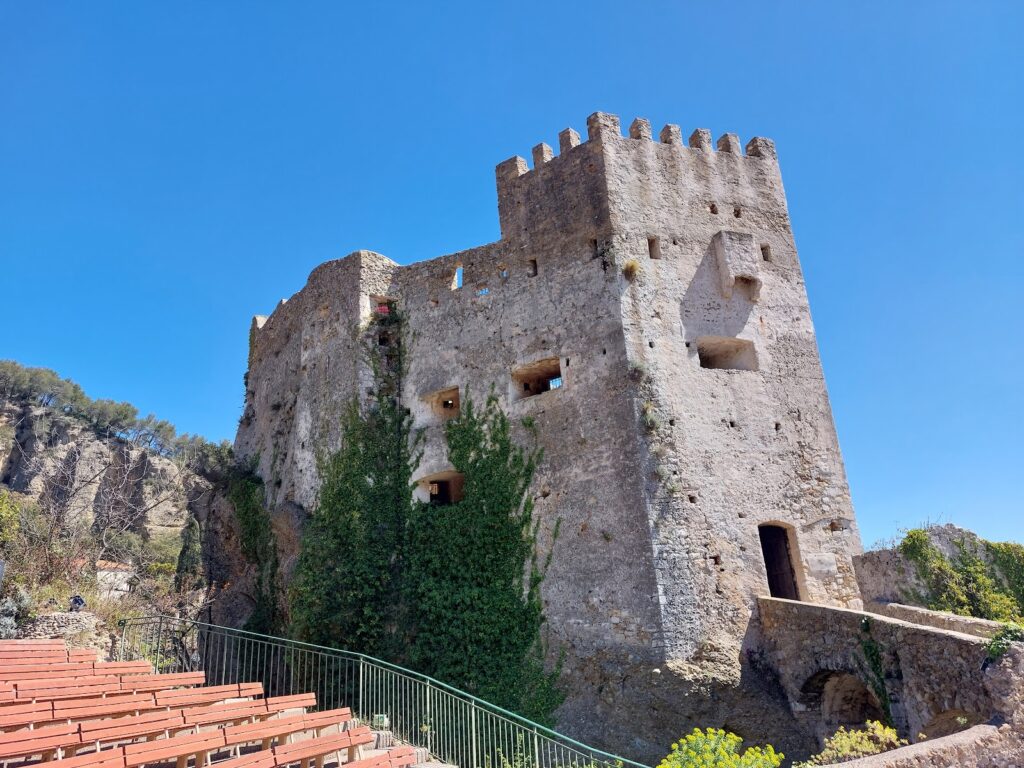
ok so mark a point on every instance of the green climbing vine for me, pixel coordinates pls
(478, 619)
(245, 491)
(875, 670)
(452, 590)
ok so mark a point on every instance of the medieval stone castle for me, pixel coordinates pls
(645, 307)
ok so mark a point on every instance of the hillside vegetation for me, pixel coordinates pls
(96, 500)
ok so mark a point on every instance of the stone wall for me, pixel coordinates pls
(967, 625)
(983, 746)
(79, 630)
(930, 677)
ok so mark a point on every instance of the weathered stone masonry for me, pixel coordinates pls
(645, 306)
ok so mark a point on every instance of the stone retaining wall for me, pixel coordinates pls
(983, 746)
(842, 667)
(939, 619)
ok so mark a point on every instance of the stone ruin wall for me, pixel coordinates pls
(937, 681)
(658, 562)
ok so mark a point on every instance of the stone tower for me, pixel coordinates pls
(645, 306)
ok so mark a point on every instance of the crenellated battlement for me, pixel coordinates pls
(603, 126)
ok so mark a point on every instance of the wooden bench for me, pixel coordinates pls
(147, 725)
(24, 642)
(76, 688)
(30, 654)
(177, 748)
(44, 671)
(45, 741)
(317, 749)
(211, 694)
(156, 682)
(21, 715)
(237, 712)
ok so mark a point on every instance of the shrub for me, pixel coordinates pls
(715, 748)
(846, 745)
(9, 513)
(1001, 640)
(631, 269)
(966, 584)
(15, 607)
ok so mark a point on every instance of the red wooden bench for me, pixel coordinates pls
(43, 741)
(156, 682)
(211, 694)
(148, 724)
(49, 670)
(177, 748)
(22, 715)
(75, 688)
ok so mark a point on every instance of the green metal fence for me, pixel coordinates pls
(453, 726)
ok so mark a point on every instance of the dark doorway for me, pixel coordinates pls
(778, 561)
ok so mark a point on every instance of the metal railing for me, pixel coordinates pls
(453, 726)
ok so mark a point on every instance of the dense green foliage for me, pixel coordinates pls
(1008, 560)
(188, 574)
(450, 590)
(849, 744)
(967, 584)
(1001, 640)
(349, 581)
(714, 748)
(246, 493)
(108, 418)
(478, 625)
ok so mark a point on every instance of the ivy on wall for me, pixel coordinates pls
(474, 573)
(452, 591)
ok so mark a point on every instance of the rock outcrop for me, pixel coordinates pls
(52, 458)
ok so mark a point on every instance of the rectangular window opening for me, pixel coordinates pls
(531, 268)
(444, 490)
(444, 404)
(537, 378)
(654, 247)
(766, 252)
(457, 278)
(723, 353)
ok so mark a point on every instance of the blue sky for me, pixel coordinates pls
(167, 170)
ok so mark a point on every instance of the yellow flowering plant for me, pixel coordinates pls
(846, 745)
(715, 748)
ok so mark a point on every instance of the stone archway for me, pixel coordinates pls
(835, 698)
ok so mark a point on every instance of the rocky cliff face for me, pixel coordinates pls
(48, 457)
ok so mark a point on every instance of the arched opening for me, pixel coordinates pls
(778, 561)
(842, 699)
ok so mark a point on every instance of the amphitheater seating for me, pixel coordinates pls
(70, 710)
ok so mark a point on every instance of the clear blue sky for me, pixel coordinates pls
(167, 170)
